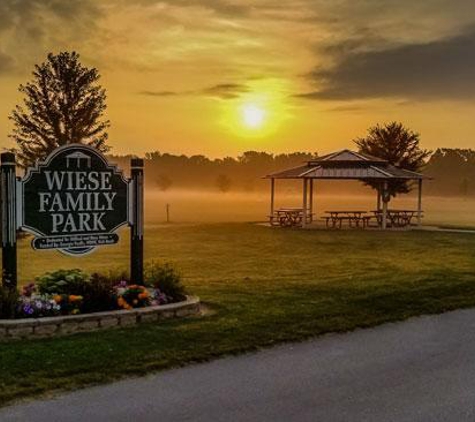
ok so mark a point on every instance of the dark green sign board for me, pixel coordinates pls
(74, 201)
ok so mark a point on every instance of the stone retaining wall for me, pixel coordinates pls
(61, 325)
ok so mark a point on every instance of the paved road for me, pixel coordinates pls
(419, 370)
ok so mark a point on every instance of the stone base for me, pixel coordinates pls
(63, 325)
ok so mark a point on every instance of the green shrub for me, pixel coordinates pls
(165, 278)
(8, 302)
(70, 282)
(98, 294)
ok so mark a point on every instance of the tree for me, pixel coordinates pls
(453, 170)
(223, 183)
(63, 104)
(164, 182)
(399, 146)
(464, 187)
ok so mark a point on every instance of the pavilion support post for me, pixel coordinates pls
(378, 202)
(385, 206)
(272, 196)
(311, 200)
(305, 204)
(419, 203)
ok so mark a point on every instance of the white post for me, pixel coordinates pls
(378, 202)
(311, 200)
(272, 195)
(419, 204)
(385, 206)
(304, 221)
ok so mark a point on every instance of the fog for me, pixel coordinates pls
(187, 206)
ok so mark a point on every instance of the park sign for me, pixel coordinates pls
(74, 201)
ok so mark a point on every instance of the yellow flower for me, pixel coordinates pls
(57, 298)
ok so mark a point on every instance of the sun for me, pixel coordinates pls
(259, 112)
(253, 116)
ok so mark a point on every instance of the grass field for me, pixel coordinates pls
(263, 286)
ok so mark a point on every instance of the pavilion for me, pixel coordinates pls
(347, 165)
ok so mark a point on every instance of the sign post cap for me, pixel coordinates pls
(136, 162)
(7, 157)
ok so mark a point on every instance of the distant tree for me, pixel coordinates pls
(223, 183)
(249, 185)
(399, 146)
(63, 104)
(164, 182)
(464, 186)
(449, 167)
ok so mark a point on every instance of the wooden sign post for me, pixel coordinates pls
(74, 201)
(136, 232)
(8, 185)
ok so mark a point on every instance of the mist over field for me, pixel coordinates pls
(195, 206)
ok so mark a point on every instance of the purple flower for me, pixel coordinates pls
(122, 284)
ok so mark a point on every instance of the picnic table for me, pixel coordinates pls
(396, 218)
(356, 218)
(289, 217)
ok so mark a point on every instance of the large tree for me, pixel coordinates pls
(399, 146)
(63, 104)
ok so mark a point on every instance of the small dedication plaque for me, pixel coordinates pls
(74, 201)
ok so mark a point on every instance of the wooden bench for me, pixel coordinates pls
(356, 219)
(397, 218)
(289, 217)
(353, 222)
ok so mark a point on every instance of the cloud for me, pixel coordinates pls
(6, 63)
(219, 6)
(224, 91)
(31, 28)
(159, 93)
(346, 108)
(29, 14)
(222, 7)
(441, 69)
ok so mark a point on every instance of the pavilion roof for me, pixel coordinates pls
(347, 165)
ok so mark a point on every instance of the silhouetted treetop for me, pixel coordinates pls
(399, 146)
(63, 104)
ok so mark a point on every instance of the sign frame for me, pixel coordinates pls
(45, 164)
(12, 210)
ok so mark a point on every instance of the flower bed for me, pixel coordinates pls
(33, 302)
(73, 292)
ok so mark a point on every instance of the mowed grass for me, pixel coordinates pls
(263, 286)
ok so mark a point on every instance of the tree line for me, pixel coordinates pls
(452, 170)
(244, 173)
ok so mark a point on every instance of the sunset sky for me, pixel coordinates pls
(219, 77)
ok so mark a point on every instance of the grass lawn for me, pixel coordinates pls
(264, 286)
